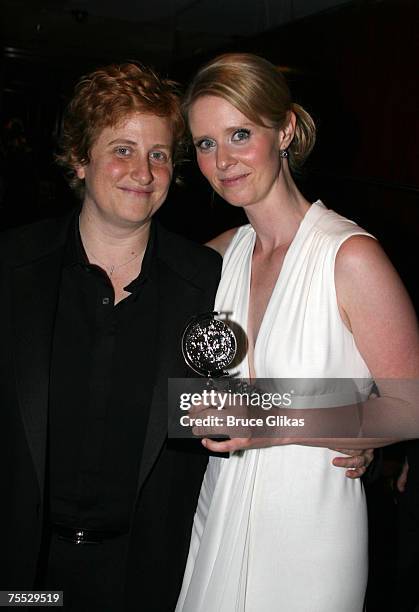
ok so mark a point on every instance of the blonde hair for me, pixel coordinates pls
(258, 90)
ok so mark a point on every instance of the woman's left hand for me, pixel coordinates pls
(356, 463)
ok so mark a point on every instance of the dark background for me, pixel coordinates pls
(353, 65)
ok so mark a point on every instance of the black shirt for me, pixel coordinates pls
(103, 365)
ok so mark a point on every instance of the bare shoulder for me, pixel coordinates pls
(357, 249)
(221, 242)
(376, 307)
(361, 261)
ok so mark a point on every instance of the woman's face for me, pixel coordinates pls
(129, 171)
(239, 158)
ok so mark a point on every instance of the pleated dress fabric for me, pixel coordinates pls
(280, 528)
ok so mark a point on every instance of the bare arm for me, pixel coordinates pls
(220, 243)
(375, 306)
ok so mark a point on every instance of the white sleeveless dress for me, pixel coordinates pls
(280, 528)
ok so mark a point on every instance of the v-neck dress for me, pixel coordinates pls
(281, 528)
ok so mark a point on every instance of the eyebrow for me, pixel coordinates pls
(123, 140)
(134, 143)
(246, 125)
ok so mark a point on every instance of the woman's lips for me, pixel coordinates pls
(231, 181)
(136, 191)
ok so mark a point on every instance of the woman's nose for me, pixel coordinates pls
(141, 171)
(224, 158)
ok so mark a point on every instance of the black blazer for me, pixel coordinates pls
(170, 471)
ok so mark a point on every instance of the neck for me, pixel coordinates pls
(111, 245)
(117, 250)
(277, 219)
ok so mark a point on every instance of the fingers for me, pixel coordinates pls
(369, 456)
(355, 472)
(211, 423)
(356, 464)
(241, 443)
(402, 479)
(355, 459)
(226, 446)
(401, 484)
(198, 409)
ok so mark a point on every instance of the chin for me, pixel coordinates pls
(236, 204)
(235, 200)
(230, 198)
(132, 220)
(136, 214)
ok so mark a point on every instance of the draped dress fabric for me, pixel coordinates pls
(281, 528)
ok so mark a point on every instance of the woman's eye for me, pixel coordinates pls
(159, 156)
(240, 135)
(205, 144)
(123, 151)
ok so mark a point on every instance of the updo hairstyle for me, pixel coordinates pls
(258, 90)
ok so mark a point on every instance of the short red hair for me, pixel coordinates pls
(105, 98)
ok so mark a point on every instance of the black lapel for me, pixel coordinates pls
(175, 300)
(180, 297)
(34, 291)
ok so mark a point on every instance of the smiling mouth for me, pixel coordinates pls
(233, 180)
(136, 191)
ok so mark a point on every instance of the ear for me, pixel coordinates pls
(286, 133)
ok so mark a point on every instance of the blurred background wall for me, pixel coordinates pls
(353, 65)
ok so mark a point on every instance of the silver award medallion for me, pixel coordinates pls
(209, 345)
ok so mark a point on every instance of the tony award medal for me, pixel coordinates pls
(209, 345)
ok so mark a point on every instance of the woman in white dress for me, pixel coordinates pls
(279, 528)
